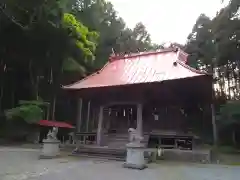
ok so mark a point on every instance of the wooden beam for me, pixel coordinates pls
(79, 116)
(88, 116)
(120, 103)
(139, 119)
(100, 122)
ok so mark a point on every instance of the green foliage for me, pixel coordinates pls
(81, 34)
(200, 44)
(70, 65)
(229, 114)
(48, 43)
(45, 44)
(100, 16)
(213, 46)
(226, 149)
(29, 111)
(44, 39)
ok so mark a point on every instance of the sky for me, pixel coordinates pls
(166, 20)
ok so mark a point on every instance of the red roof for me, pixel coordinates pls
(55, 124)
(140, 68)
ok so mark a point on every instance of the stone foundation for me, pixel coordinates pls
(202, 156)
(135, 156)
(134, 166)
(50, 149)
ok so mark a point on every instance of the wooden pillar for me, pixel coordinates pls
(139, 119)
(88, 116)
(100, 122)
(79, 117)
(215, 134)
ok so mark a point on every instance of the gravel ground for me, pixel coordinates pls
(23, 164)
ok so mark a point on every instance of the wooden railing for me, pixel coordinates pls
(86, 137)
(174, 140)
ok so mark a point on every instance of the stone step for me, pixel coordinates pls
(99, 157)
(118, 140)
(105, 153)
(102, 150)
(118, 136)
(117, 145)
(104, 156)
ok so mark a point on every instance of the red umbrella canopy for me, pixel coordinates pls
(55, 124)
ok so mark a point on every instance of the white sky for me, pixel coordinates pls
(166, 20)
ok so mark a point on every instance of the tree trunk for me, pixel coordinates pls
(3, 71)
(238, 76)
(220, 81)
(13, 98)
(228, 81)
(48, 112)
(214, 125)
(234, 137)
(54, 107)
(234, 78)
(34, 81)
(1, 96)
(36, 88)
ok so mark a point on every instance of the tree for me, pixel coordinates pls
(229, 117)
(213, 46)
(49, 41)
(100, 16)
(200, 44)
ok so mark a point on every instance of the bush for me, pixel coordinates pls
(29, 111)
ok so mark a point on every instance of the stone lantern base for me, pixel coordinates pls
(135, 156)
(50, 149)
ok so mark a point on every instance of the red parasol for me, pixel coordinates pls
(55, 124)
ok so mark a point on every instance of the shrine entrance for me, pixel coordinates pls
(119, 118)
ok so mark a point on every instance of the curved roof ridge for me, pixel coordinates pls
(192, 69)
(132, 55)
